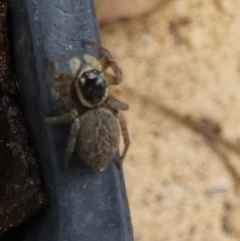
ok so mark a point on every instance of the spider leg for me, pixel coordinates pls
(111, 79)
(53, 68)
(98, 48)
(125, 134)
(115, 104)
(61, 119)
(72, 141)
(54, 72)
(106, 61)
(61, 83)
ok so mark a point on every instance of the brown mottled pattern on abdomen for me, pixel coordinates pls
(98, 139)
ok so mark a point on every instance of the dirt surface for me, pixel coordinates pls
(110, 10)
(184, 56)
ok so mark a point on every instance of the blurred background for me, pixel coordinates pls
(181, 66)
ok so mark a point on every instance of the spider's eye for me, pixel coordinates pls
(89, 74)
(95, 71)
(85, 75)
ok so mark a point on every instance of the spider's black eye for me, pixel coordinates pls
(85, 75)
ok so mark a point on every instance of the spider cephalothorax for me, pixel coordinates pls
(89, 84)
(86, 101)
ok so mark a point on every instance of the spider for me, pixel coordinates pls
(85, 99)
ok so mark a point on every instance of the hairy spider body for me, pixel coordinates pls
(98, 140)
(85, 100)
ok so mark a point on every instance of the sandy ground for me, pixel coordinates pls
(185, 56)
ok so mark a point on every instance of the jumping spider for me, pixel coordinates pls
(85, 99)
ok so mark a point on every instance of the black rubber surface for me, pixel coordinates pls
(83, 205)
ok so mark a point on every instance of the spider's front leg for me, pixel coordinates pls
(107, 61)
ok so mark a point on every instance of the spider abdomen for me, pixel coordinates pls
(98, 139)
